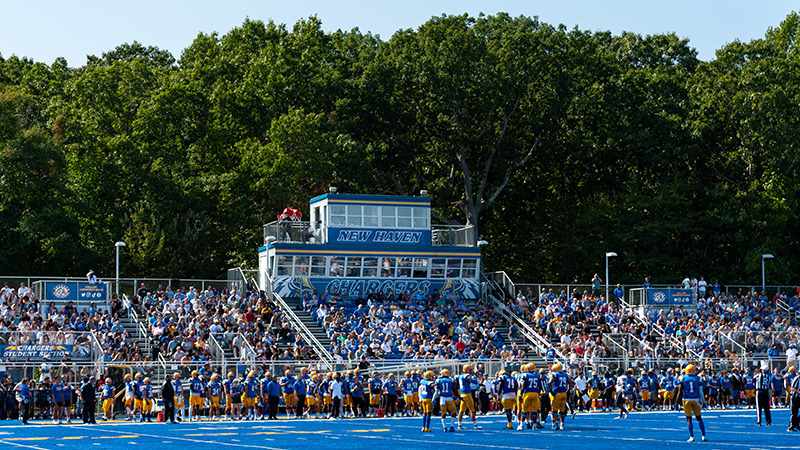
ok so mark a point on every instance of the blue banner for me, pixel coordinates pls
(378, 236)
(669, 297)
(91, 292)
(72, 291)
(40, 351)
(67, 292)
(295, 286)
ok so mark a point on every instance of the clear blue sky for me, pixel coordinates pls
(44, 30)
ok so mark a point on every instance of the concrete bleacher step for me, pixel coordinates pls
(144, 342)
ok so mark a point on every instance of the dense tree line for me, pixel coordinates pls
(557, 145)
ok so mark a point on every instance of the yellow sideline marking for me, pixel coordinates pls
(26, 439)
(74, 437)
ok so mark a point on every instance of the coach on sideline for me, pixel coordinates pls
(168, 397)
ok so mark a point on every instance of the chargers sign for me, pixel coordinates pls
(296, 286)
(361, 236)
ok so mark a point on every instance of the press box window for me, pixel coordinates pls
(338, 216)
(337, 266)
(388, 266)
(404, 267)
(437, 268)
(353, 267)
(420, 268)
(469, 267)
(318, 264)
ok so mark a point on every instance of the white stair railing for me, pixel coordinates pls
(301, 328)
(529, 333)
(98, 354)
(322, 352)
(216, 350)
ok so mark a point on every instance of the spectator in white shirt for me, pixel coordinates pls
(791, 355)
(701, 287)
(91, 277)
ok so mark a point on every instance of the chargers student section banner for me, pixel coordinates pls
(42, 351)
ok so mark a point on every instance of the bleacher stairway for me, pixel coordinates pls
(297, 306)
(129, 323)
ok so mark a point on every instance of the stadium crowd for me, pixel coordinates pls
(247, 322)
(24, 321)
(724, 325)
(410, 326)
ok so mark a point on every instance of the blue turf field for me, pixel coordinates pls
(641, 431)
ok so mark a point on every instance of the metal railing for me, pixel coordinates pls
(452, 235)
(609, 338)
(216, 349)
(489, 367)
(301, 328)
(246, 349)
(298, 324)
(502, 280)
(293, 231)
(238, 277)
(673, 341)
(525, 329)
(736, 349)
(759, 342)
(127, 285)
(97, 352)
(142, 333)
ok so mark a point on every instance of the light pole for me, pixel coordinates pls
(608, 255)
(763, 274)
(481, 243)
(118, 245)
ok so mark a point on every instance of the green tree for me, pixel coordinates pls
(745, 115)
(469, 103)
(37, 232)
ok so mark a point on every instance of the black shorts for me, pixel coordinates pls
(620, 400)
(59, 404)
(725, 393)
